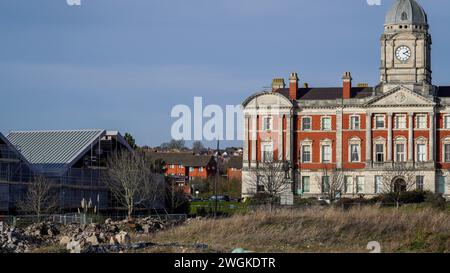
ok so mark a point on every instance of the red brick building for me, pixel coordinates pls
(361, 130)
(234, 168)
(185, 167)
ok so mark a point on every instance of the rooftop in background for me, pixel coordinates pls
(185, 159)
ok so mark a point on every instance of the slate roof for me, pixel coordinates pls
(185, 159)
(53, 151)
(327, 93)
(444, 92)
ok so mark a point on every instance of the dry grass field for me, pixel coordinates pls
(316, 230)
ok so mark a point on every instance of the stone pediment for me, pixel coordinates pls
(267, 99)
(401, 96)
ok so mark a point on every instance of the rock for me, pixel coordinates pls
(123, 238)
(64, 240)
(93, 240)
(113, 241)
(74, 247)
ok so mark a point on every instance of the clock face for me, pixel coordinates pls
(403, 53)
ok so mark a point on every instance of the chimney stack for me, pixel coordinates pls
(347, 85)
(293, 86)
(278, 83)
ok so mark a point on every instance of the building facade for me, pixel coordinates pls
(74, 161)
(361, 130)
(185, 167)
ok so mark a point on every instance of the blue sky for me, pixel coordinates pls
(123, 64)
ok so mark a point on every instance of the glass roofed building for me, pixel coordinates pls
(74, 160)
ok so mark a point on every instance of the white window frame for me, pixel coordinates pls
(425, 121)
(379, 141)
(322, 123)
(306, 143)
(400, 141)
(200, 169)
(267, 147)
(397, 122)
(270, 127)
(384, 122)
(358, 180)
(444, 143)
(310, 123)
(324, 143)
(303, 184)
(348, 184)
(354, 141)
(356, 122)
(191, 169)
(378, 184)
(424, 142)
(446, 123)
(422, 182)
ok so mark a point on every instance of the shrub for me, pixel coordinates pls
(261, 199)
(435, 200)
(299, 201)
(412, 197)
(409, 197)
(351, 202)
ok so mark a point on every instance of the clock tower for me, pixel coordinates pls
(406, 49)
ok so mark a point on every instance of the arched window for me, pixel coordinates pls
(421, 149)
(354, 149)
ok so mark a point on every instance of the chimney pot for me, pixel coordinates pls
(278, 83)
(293, 86)
(347, 85)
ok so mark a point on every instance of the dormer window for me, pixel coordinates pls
(404, 16)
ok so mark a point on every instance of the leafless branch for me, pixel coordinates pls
(40, 198)
(132, 181)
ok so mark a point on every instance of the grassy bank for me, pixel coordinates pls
(319, 230)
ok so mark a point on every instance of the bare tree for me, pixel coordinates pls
(271, 178)
(331, 182)
(40, 198)
(395, 180)
(197, 147)
(175, 195)
(131, 180)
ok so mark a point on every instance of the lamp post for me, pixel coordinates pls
(216, 180)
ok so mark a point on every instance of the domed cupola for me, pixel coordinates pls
(407, 12)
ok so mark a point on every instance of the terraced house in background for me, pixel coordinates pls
(184, 167)
(74, 161)
(403, 121)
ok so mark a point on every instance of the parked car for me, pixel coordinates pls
(324, 199)
(220, 198)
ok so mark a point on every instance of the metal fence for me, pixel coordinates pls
(65, 219)
(80, 219)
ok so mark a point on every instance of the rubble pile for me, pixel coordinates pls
(14, 240)
(112, 236)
